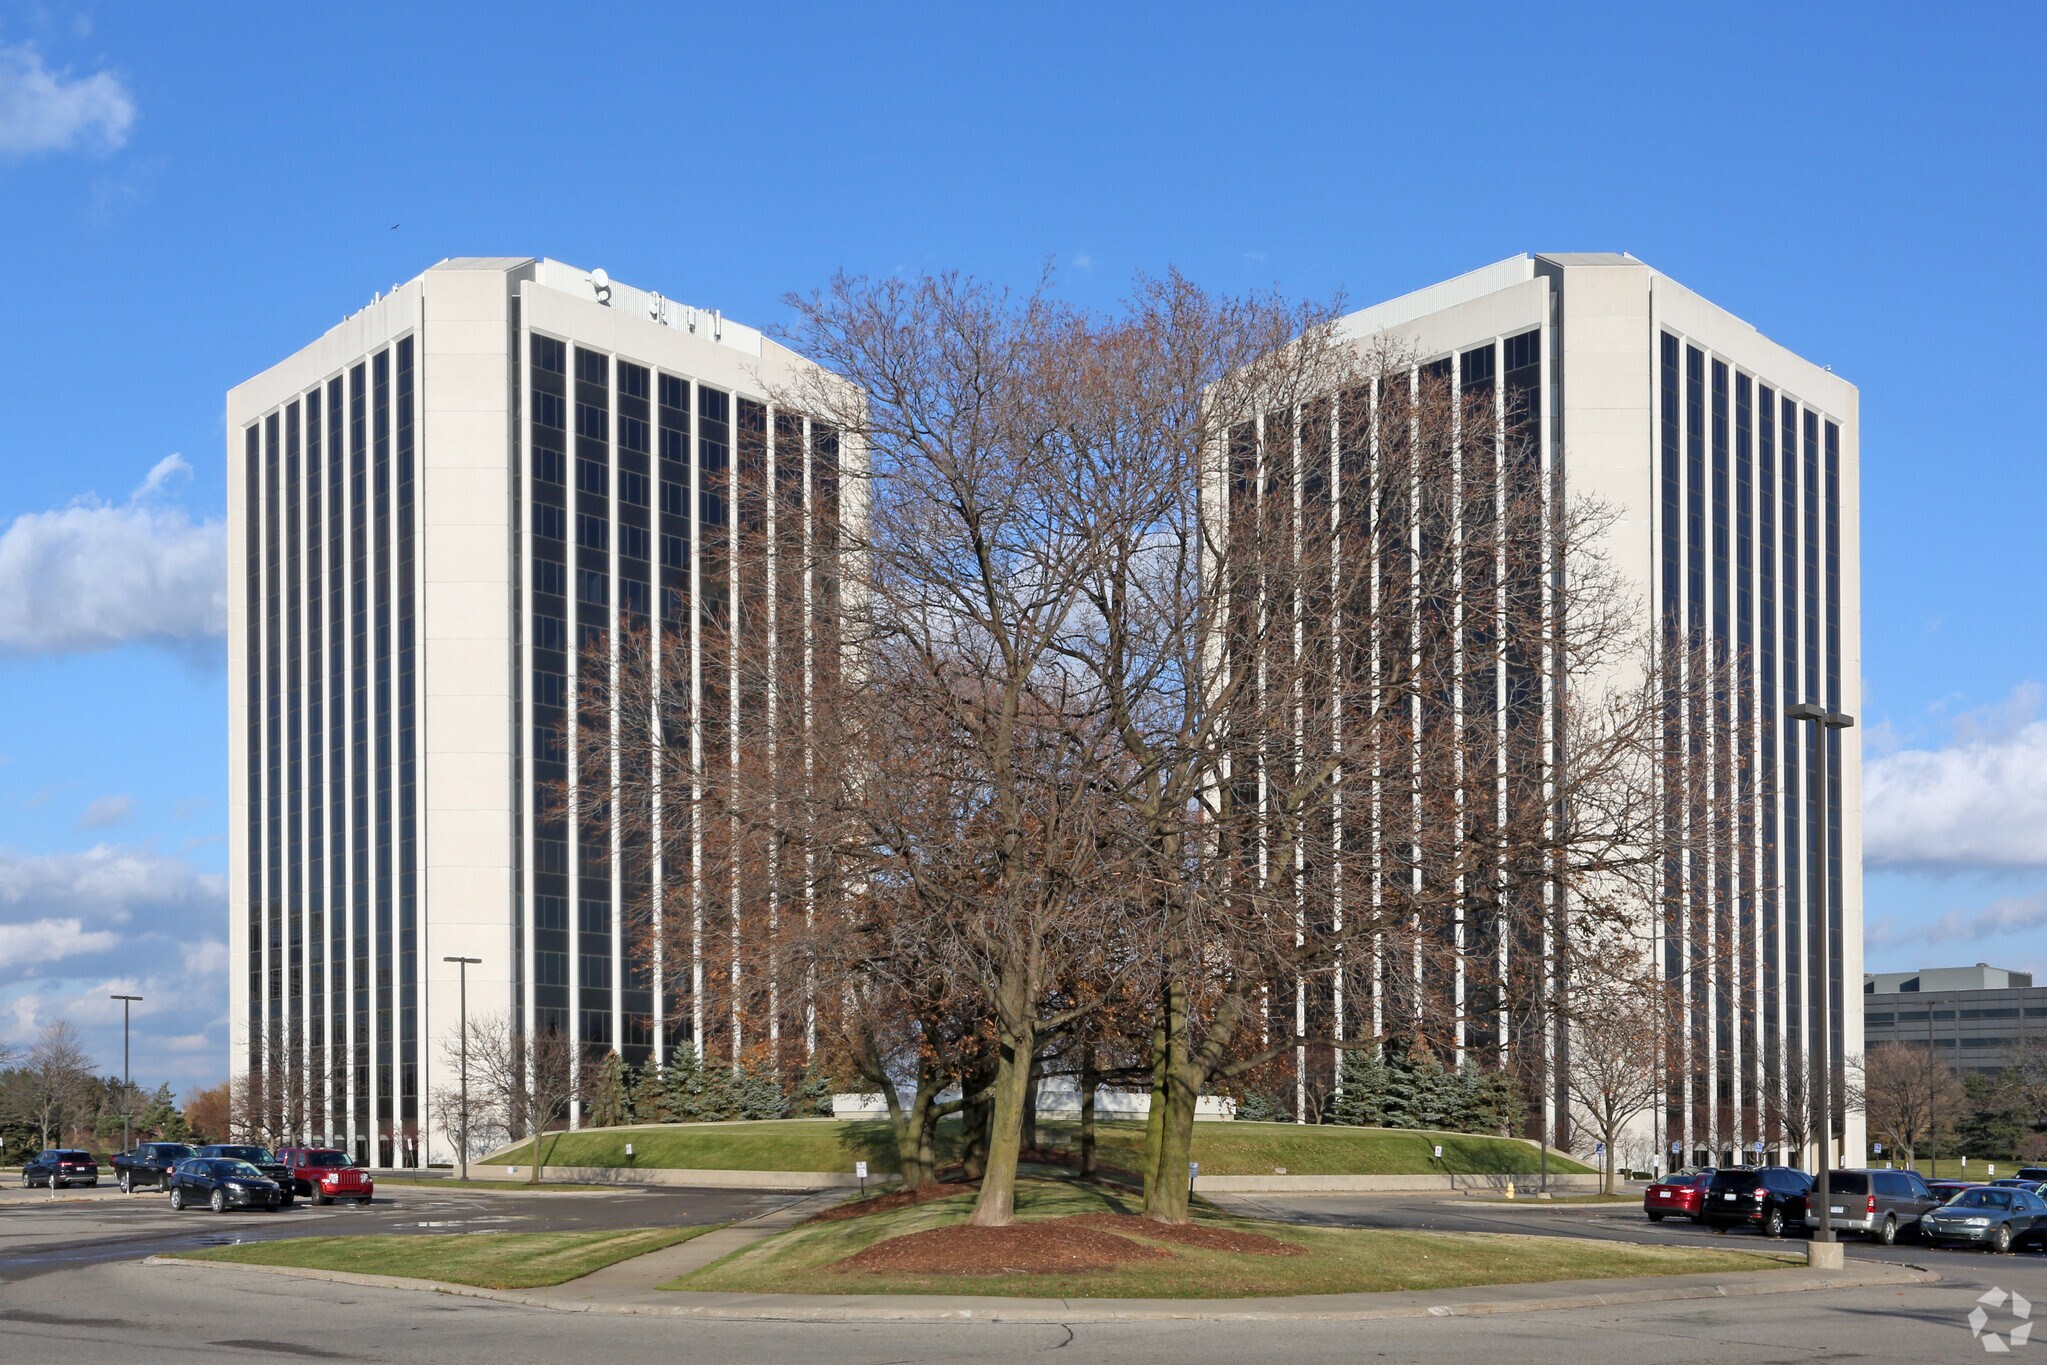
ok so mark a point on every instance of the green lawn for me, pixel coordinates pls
(1221, 1148)
(805, 1260)
(490, 1260)
(1951, 1168)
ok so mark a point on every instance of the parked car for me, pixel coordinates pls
(1946, 1190)
(1988, 1215)
(2017, 1183)
(2033, 1173)
(59, 1168)
(1878, 1204)
(259, 1157)
(1767, 1197)
(325, 1174)
(1676, 1195)
(222, 1183)
(148, 1164)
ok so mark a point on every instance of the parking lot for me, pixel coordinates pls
(72, 1287)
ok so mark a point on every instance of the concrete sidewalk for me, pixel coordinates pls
(633, 1292)
(635, 1284)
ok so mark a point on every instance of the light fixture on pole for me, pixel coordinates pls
(462, 966)
(1822, 1046)
(127, 1144)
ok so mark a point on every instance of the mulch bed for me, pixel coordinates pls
(898, 1199)
(1049, 1248)
(1087, 1241)
(1190, 1234)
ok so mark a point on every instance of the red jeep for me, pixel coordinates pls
(325, 1174)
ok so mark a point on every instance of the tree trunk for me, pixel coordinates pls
(1172, 1112)
(1088, 1081)
(1030, 1112)
(996, 1207)
(1155, 1116)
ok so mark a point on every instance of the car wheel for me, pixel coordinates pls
(1773, 1223)
(1888, 1233)
(1655, 1217)
(218, 1203)
(177, 1199)
(321, 1201)
(2001, 1243)
(124, 1183)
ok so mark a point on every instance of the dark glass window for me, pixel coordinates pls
(547, 553)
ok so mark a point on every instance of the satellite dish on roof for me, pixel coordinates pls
(601, 282)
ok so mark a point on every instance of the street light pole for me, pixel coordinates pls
(462, 966)
(1822, 1055)
(126, 1086)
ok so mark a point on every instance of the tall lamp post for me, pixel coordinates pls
(462, 966)
(1823, 720)
(126, 1086)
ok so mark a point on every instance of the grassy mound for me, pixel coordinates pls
(489, 1260)
(1221, 1148)
(1221, 1257)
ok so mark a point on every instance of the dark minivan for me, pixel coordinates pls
(1765, 1197)
(1878, 1204)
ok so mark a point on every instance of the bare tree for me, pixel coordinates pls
(527, 1081)
(474, 1114)
(53, 1082)
(1909, 1095)
(1616, 1070)
(289, 1095)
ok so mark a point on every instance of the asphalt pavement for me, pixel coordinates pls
(72, 1288)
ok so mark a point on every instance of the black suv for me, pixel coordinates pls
(59, 1167)
(1766, 1197)
(148, 1164)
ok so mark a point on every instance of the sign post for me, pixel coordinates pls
(860, 1169)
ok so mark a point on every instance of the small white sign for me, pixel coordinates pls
(860, 1169)
(1439, 1151)
(1193, 1169)
(629, 1151)
(1676, 1147)
(1759, 1147)
(1993, 1168)
(1879, 1149)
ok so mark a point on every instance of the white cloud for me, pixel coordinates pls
(108, 885)
(1978, 802)
(50, 940)
(1083, 262)
(93, 575)
(107, 810)
(2007, 915)
(76, 928)
(42, 110)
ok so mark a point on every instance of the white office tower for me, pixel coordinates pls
(1729, 466)
(436, 511)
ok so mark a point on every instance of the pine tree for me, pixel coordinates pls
(813, 1097)
(1363, 1082)
(608, 1101)
(1258, 1106)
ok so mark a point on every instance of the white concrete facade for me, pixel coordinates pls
(342, 911)
(1604, 322)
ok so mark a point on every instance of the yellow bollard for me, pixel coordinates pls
(1510, 1189)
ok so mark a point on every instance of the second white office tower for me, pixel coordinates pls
(435, 511)
(1728, 467)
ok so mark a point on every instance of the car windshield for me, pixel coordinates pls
(171, 1151)
(240, 1170)
(1981, 1199)
(244, 1153)
(325, 1160)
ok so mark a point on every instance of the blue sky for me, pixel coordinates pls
(190, 192)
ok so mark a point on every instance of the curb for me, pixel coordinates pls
(776, 1308)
